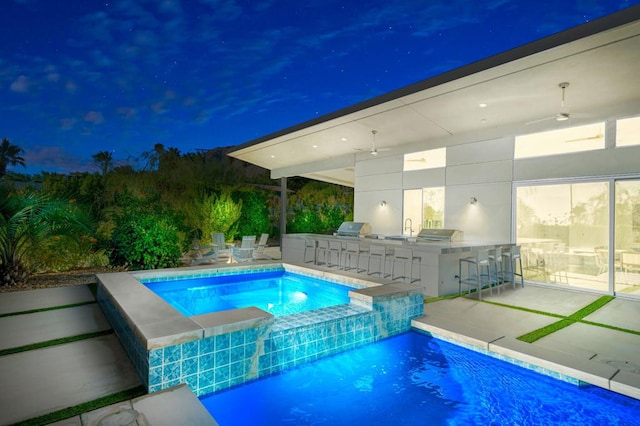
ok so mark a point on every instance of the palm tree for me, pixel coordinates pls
(9, 155)
(104, 159)
(27, 222)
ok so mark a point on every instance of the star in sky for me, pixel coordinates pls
(85, 76)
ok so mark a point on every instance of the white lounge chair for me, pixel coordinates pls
(259, 253)
(244, 253)
(201, 254)
(224, 248)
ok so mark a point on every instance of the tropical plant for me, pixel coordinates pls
(28, 222)
(218, 213)
(9, 155)
(104, 160)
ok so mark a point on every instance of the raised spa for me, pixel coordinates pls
(277, 292)
(180, 342)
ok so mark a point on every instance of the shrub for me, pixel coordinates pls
(218, 213)
(255, 212)
(145, 242)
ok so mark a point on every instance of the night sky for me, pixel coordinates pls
(82, 76)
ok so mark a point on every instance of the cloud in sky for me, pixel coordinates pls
(126, 74)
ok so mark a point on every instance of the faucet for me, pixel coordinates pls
(410, 227)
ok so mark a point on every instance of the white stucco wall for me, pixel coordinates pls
(481, 169)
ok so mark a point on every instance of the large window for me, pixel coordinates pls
(563, 230)
(626, 259)
(561, 141)
(423, 208)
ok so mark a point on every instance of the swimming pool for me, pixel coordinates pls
(276, 292)
(415, 379)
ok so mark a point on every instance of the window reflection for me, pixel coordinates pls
(627, 254)
(563, 231)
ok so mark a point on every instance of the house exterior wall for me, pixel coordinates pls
(485, 170)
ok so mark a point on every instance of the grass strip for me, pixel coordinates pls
(566, 321)
(438, 298)
(520, 308)
(85, 407)
(52, 308)
(591, 308)
(611, 327)
(54, 342)
(546, 330)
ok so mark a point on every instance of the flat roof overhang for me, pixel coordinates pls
(600, 60)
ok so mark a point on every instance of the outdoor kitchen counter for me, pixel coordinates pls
(439, 260)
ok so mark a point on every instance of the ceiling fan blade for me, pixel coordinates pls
(553, 117)
(587, 138)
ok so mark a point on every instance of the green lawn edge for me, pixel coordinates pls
(85, 407)
(52, 308)
(54, 342)
(566, 321)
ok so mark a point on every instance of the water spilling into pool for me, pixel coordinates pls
(277, 292)
(414, 379)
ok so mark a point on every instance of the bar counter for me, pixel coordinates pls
(438, 263)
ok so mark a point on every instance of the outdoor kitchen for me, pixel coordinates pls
(434, 261)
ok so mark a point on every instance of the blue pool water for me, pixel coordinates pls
(415, 379)
(277, 292)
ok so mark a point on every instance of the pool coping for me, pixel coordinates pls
(156, 324)
(576, 368)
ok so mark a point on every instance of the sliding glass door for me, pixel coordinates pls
(563, 230)
(626, 260)
(572, 235)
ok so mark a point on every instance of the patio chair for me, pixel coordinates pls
(224, 248)
(202, 254)
(630, 262)
(259, 253)
(244, 253)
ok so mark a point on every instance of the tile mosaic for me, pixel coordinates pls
(206, 362)
(213, 363)
(189, 366)
(171, 371)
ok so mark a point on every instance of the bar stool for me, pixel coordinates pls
(405, 257)
(322, 250)
(495, 258)
(379, 253)
(512, 257)
(335, 249)
(479, 262)
(352, 250)
(309, 248)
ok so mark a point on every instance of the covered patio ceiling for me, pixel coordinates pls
(600, 60)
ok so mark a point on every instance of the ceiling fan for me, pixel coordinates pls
(563, 114)
(373, 150)
(586, 138)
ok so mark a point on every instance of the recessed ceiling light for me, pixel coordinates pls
(314, 146)
(273, 156)
(343, 139)
(483, 105)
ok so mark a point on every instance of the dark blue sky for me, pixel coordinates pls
(82, 76)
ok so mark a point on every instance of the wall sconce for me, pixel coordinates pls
(383, 203)
(473, 201)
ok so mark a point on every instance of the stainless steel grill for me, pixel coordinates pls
(446, 235)
(353, 229)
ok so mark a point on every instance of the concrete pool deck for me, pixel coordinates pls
(41, 381)
(590, 352)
